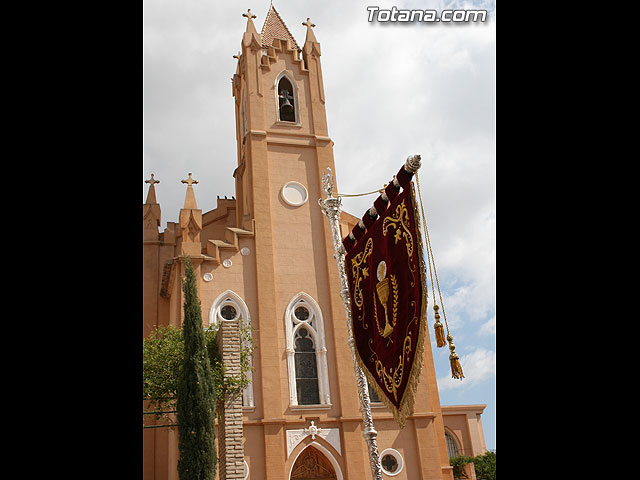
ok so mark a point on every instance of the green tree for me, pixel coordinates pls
(485, 466)
(162, 359)
(196, 392)
(458, 462)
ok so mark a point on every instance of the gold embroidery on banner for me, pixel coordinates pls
(402, 217)
(401, 223)
(393, 379)
(383, 294)
(357, 263)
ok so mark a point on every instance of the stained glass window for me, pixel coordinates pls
(302, 313)
(306, 353)
(306, 369)
(452, 445)
(228, 312)
(389, 463)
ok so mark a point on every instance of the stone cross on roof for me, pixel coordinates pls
(190, 198)
(151, 195)
(249, 14)
(152, 180)
(189, 181)
(310, 35)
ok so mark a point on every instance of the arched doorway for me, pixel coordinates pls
(312, 465)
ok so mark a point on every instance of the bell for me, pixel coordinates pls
(286, 105)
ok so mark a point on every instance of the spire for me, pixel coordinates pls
(251, 28)
(310, 35)
(151, 196)
(190, 221)
(151, 211)
(190, 198)
(251, 34)
(311, 44)
(274, 27)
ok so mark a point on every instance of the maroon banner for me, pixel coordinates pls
(385, 271)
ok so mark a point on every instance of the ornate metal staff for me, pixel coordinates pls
(331, 207)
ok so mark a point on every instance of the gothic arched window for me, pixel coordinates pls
(306, 353)
(286, 100)
(229, 306)
(306, 369)
(452, 444)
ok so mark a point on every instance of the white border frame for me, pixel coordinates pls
(317, 333)
(284, 198)
(397, 455)
(296, 100)
(229, 297)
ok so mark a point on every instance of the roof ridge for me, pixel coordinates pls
(267, 40)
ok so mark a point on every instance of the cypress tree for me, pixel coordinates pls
(196, 392)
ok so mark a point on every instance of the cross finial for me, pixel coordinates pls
(152, 180)
(189, 181)
(313, 430)
(249, 14)
(308, 23)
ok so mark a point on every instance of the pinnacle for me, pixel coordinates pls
(190, 198)
(151, 195)
(251, 28)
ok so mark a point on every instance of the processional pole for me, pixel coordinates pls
(332, 207)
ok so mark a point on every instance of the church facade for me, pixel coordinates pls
(265, 258)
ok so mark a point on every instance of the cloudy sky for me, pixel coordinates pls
(391, 90)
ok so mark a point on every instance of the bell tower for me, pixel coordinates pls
(280, 113)
(283, 148)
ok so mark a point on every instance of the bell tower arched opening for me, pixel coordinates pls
(287, 100)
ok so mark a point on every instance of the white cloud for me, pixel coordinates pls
(489, 328)
(477, 366)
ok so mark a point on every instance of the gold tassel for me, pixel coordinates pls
(438, 329)
(454, 360)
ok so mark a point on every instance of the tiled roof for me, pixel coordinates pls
(274, 27)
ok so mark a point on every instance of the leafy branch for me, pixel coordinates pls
(163, 355)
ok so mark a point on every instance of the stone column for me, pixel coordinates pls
(230, 448)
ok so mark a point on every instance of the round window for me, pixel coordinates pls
(391, 462)
(301, 313)
(295, 194)
(228, 312)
